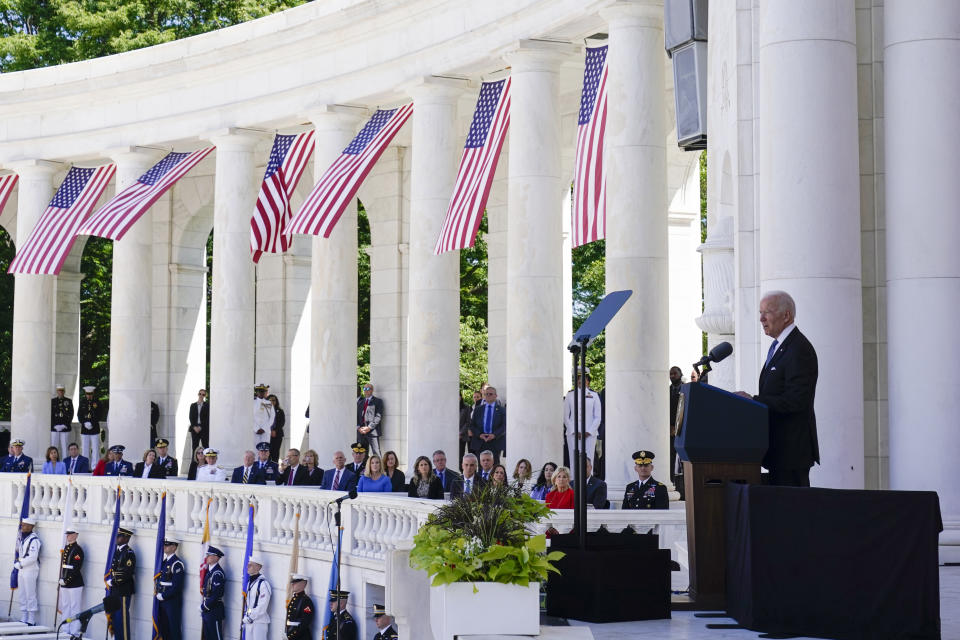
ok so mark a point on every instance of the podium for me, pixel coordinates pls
(721, 439)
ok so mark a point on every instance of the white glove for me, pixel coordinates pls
(17, 566)
(109, 582)
(62, 582)
(88, 424)
(248, 619)
(160, 597)
(200, 608)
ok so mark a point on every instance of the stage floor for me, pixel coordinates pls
(684, 626)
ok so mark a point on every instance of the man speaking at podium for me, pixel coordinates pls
(788, 382)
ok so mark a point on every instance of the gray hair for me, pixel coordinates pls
(469, 456)
(487, 452)
(440, 451)
(782, 301)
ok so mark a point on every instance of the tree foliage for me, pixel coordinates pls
(589, 287)
(96, 265)
(7, 251)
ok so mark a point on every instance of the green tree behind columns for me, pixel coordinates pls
(363, 296)
(474, 283)
(7, 251)
(589, 287)
(96, 265)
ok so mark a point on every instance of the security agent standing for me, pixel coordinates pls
(61, 415)
(646, 492)
(88, 415)
(166, 462)
(71, 581)
(256, 617)
(214, 585)
(169, 590)
(385, 630)
(119, 466)
(122, 584)
(28, 564)
(300, 610)
(342, 626)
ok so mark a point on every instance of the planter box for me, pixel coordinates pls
(497, 609)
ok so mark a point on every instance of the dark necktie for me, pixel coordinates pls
(443, 479)
(246, 474)
(73, 464)
(336, 481)
(488, 419)
(773, 349)
(290, 477)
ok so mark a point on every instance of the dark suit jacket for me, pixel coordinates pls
(156, 471)
(448, 479)
(377, 403)
(254, 478)
(347, 479)
(457, 489)
(499, 427)
(314, 479)
(597, 493)
(300, 478)
(82, 466)
(435, 491)
(787, 386)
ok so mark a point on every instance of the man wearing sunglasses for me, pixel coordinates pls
(369, 419)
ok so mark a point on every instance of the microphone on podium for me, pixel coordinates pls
(716, 354)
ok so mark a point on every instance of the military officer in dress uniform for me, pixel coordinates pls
(71, 581)
(122, 584)
(88, 415)
(342, 626)
(300, 610)
(263, 414)
(266, 467)
(256, 616)
(61, 416)
(28, 566)
(169, 590)
(645, 493)
(16, 462)
(166, 462)
(385, 630)
(119, 466)
(211, 609)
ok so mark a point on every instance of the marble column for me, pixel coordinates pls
(922, 92)
(637, 409)
(333, 306)
(33, 319)
(433, 325)
(809, 209)
(131, 313)
(534, 270)
(232, 331)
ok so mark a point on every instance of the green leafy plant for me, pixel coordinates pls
(485, 537)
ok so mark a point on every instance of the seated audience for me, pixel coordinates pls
(562, 495)
(471, 480)
(292, 473)
(424, 483)
(265, 466)
(197, 462)
(645, 492)
(339, 478)
(544, 482)
(486, 464)
(75, 462)
(359, 458)
(53, 464)
(100, 469)
(314, 477)
(247, 473)
(523, 475)
(210, 472)
(374, 480)
(397, 478)
(148, 468)
(447, 476)
(499, 476)
(119, 466)
(596, 489)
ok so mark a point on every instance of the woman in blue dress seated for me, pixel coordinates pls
(373, 478)
(53, 464)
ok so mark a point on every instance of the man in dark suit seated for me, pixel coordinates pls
(294, 473)
(596, 489)
(471, 480)
(247, 473)
(488, 429)
(447, 476)
(75, 462)
(788, 383)
(339, 478)
(266, 467)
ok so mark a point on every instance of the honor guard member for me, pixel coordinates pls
(266, 467)
(119, 466)
(256, 616)
(28, 565)
(385, 630)
(166, 462)
(16, 462)
(300, 610)
(645, 493)
(61, 416)
(169, 590)
(263, 415)
(342, 625)
(71, 581)
(122, 584)
(211, 609)
(88, 415)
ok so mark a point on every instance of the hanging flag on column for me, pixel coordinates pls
(111, 550)
(7, 183)
(268, 226)
(115, 218)
(339, 184)
(247, 552)
(158, 564)
(589, 210)
(491, 118)
(24, 513)
(51, 239)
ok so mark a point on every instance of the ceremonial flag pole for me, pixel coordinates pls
(204, 541)
(67, 514)
(248, 551)
(24, 513)
(158, 564)
(294, 556)
(111, 550)
(334, 578)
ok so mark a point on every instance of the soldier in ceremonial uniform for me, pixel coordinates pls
(61, 416)
(646, 492)
(342, 626)
(169, 590)
(266, 467)
(256, 616)
(385, 630)
(122, 584)
(71, 580)
(28, 566)
(88, 415)
(263, 414)
(16, 462)
(165, 461)
(300, 610)
(119, 466)
(214, 585)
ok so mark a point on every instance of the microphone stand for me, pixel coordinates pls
(579, 351)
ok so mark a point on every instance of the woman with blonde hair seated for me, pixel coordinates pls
(373, 478)
(562, 496)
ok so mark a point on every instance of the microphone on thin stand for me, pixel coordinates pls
(718, 353)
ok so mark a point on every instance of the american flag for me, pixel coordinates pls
(7, 183)
(51, 239)
(589, 209)
(340, 182)
(115, 218)
(491, 119)
(288, 158)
